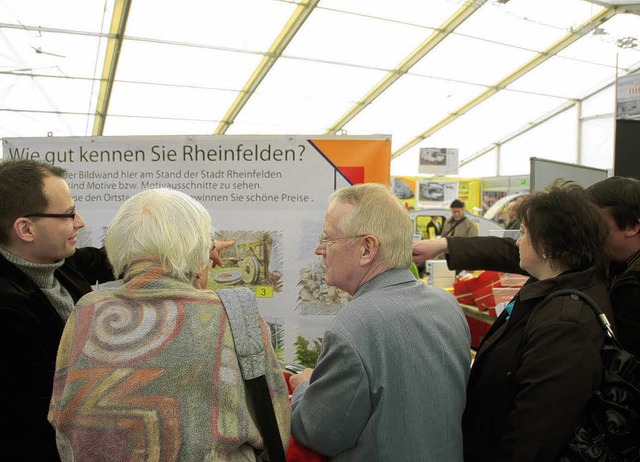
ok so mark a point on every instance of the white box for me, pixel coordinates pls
(510, 233)
(438, 274)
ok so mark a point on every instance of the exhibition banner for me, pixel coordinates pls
(268, 194)
(628, 97)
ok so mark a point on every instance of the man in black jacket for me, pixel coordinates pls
(619, 202)
(42, 276)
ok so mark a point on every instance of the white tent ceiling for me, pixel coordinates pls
(447, 73)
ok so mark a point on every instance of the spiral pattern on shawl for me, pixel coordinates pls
(123, 332)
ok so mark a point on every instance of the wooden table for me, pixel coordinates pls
(479, 323)
(473, 312)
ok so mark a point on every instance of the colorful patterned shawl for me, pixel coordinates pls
(148, 372)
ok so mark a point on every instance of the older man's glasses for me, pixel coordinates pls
(323, 239)
(71, 215)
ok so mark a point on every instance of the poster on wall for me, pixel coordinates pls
(437, 192)
(438, 161)
(268, 194)
(402, 188)
(628, 97)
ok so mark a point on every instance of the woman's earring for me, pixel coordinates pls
(544, 256)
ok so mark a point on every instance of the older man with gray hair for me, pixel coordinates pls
(390, 380)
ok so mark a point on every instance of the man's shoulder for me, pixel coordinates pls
(21, 301)
(83, 254)
(87, 265)
(413, 296)
(634, 266)
(13, 281)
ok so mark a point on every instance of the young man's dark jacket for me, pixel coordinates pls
(30, 331)
(625, 298)
(498, 254)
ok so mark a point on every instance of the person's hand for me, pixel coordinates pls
(214, 256)
(428, 249)
(297, 379)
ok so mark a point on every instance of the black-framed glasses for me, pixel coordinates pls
(71, 215)
(323, 239)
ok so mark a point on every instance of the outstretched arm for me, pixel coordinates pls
(472, 253)
(428, 249)
(484, 253)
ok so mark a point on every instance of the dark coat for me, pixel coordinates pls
(30, 331)
(498, 254)
(531, 413)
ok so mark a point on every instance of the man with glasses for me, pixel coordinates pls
(42, 275)
(390, 380)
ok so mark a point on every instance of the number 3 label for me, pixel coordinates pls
(264, 292)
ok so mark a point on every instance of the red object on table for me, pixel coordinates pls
(482, 289)
(462, 291)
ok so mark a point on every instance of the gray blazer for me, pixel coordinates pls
(390, 381)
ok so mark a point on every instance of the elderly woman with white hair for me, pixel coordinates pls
(149, 370)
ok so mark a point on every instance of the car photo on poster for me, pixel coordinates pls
(432, 191)
(433, 156)
(401, 189)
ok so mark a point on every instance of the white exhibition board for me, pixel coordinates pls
(266, 193)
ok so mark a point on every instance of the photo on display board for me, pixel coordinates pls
(628, 97)
(432, 191)
(315, 297)
(254, 260)
(436, 193)
(401, 189)
(438, 161)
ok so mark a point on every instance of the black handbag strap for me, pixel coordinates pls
(266, 416)
(577, 295)
(244, 318)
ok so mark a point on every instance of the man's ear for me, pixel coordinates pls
(24, 230)
(632, 230)
(369, 249)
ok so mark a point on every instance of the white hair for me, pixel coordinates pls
(164, 224)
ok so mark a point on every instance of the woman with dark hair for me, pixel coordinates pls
(526, 396)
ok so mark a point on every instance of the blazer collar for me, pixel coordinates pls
(391, 277)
